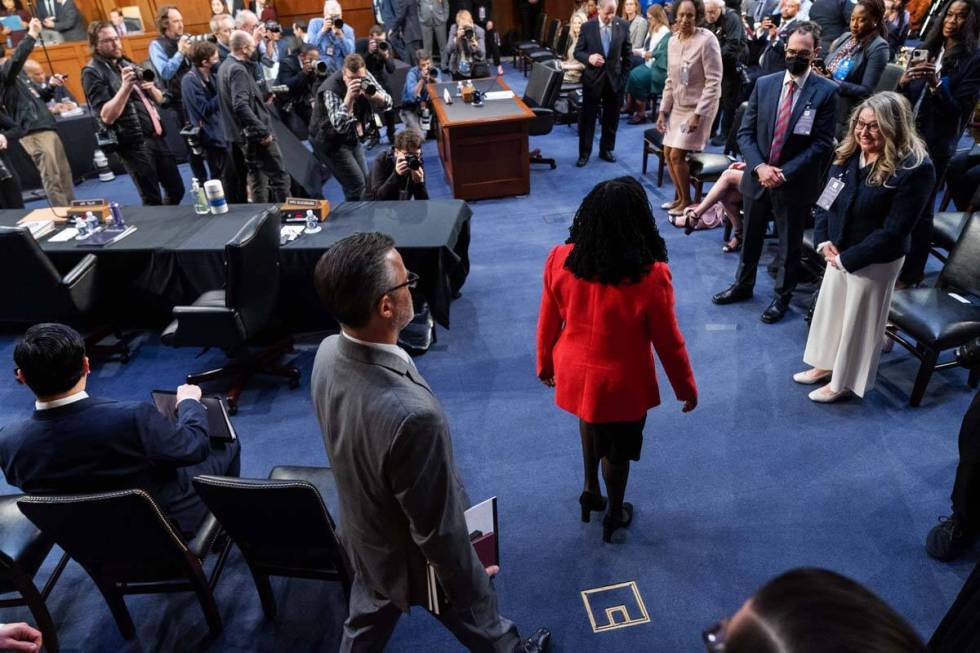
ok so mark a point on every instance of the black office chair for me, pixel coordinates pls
(128, 546)
(543, 87)
(23, 549)
(42, 293)
(236, 316)
(537, 38)
(889, 78)
(552, 50)
(946, 229)
(281, 525)
(936, 320)
(653, 143)
(705, 167)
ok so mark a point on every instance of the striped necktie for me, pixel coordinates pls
(782, 125)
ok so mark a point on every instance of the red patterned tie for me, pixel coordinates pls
(782, 124)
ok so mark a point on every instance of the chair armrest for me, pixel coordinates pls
(205, 326)
(82, 268)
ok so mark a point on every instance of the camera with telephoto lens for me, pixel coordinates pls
(273, 26)
(144, 74)
(321, 68)
(383, 46)
(368, 87)
(468, 33)
(5, 173)
(338, 22)
(413, 161)
(105, 138)
(277, 89)
(201, 38)
(432, 73)
(192, 136)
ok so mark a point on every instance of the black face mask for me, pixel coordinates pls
(797, 65)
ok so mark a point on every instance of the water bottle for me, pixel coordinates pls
(201, 206)
(92, 222)
(312, 223)
(117, 216)
(82, 226)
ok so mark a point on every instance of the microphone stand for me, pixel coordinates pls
(40, 38)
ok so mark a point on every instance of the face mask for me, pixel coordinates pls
(797, 65)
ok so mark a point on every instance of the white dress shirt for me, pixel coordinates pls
(391, 349)
(64, 401)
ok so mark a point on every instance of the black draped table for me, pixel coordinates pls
(175, 255)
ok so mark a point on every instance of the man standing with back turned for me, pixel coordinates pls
(401, 500)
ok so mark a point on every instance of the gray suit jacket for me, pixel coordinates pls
(401, 501)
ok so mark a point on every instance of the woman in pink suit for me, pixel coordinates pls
(607, 298)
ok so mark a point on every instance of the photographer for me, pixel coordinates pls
(222, 25)
(269, 49)
(200, 95)
(298, 72)
(246, 118)
(467, 48)
(377, 55)
(415, 95)
(50, 89)
(168, 53)
(124, 99)
(39, 135)
(343, 114)
(397, 173)
(332, 37)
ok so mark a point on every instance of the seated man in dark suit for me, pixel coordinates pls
(76, 444)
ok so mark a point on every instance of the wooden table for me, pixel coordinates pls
(484, 150)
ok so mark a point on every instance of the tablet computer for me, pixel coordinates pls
(219, 422)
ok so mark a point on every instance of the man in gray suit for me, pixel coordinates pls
(401, 500)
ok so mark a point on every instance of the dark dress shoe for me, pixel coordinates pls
(731, 295)
(610, 524)
(607, 156)
(582, 160)
(536, 643)
(777, 309)
(949, 539)
(591, 503)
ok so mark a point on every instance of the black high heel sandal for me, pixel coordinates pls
(609, 525)
(591, 503)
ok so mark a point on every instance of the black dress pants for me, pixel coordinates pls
(529, 17)
(914, 267)
(151, 165)
(731, 92)
(790, 214)
(595, 97)
(966, 487)
(11, 195)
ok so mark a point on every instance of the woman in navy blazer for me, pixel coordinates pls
(946, 97)
(880, 181)
(857, 59)
(607, 304)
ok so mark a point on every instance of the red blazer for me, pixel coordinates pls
(594, 339)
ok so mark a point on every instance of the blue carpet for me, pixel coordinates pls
(755, 481)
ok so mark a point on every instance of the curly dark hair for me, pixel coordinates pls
(698, 10)
(615, 237)
(966, 44)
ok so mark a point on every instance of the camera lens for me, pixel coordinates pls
(414, 163)
(383, 45)
(433, 72)
(338, 22)
(321, 68)
(368, 87)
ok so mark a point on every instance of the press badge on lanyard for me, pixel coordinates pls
(685, 73)
(805, 124)
(830, 193)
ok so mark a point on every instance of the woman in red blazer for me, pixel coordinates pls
(607, 297)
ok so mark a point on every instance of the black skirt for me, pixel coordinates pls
(618, 441)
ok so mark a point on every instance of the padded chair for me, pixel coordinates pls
(44, 294)
(889, 78)
(23, 549)
(540, 95)
(553, 46)
(946, 229)
(234, 317)
(705, 167)
(128, 546)
(540, 27)
(936, 320)
(281, 525)
(653, 143)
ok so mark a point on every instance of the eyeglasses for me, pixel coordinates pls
(714, 637)
(803, 54)
(112, 39)
(870, 127)
(411, 282)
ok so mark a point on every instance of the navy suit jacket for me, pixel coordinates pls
(102, 445)
(875, 221)
(803, 157)
(617, 66)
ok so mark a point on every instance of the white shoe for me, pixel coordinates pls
(811, 376)
(825, 395)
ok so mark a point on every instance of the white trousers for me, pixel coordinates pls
(849, 322)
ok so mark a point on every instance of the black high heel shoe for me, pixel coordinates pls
(591, 503)
(609, 524)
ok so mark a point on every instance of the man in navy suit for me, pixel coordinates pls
(604, 48)
(786, 137)
(76, 444)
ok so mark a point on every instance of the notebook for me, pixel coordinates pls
(219, 423)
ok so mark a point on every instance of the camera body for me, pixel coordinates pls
(105, 138)
(200, 38)
(414, 161)
(968, 355)
(273, 26)
(368, 87)
(144, 74)
(253, 135)
(468, 33)
(192, 136)
(338, 22)
(321, 68)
